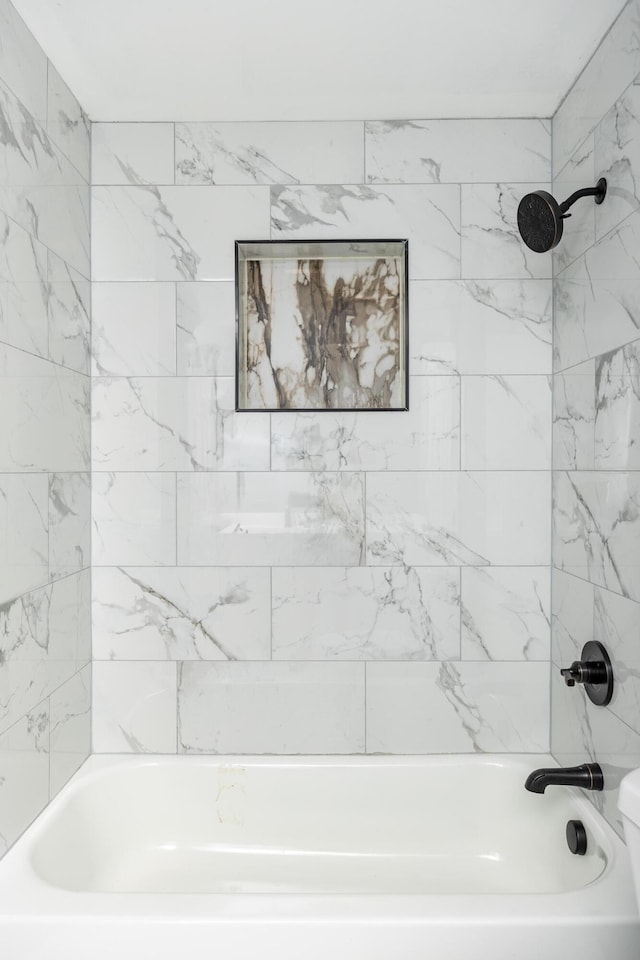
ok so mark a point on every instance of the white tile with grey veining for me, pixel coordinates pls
(271, 519)
(181, 613)
(597, 298)
(617, 626)
(281, 708)
(28, 157)
(69, 523)
(69, 312)
(614, 65)
(24, 783)
(457, 707)
(617, 419)
(579, 228)
(293, 152)
(506, 613)
(24, 533)
(491, 244)
(134, 707)
(133, 518)
(23, 63)
(477, 327)
(132, 153)
(67, 123)
(70, 731)
(617, 157)
(44, 420)
(471, 519)
(360, 613)
(173, 233)
(506, 423)
(425, 437)
(572, 620)
(574, 413)
(133, 329)
(206, 320)
(175, 423)
(596, 520)
(453, 151)
(428, 216)
(23, 289)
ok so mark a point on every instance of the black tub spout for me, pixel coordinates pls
(588, 776)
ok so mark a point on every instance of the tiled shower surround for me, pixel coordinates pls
(45, 628)
(596, 546)
(320, 582)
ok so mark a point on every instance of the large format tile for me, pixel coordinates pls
(617, 626)
(472, 519)
(227, 153)
(24, 533)
(23, 289)
(69, 312)
(206, 320)
(617, 416)
(24, 784)
(70, 734)
(358, 613)
(133, 330)
(579, 229)
(617, 157)
(67, 123)
(457, 151)
(574, 414)
(457, 708)
(134, 518)
(134, 707)
(178, 613)
(506, 613)
(428, 216)
(23, 63)
(271, 708)
(173, 233)
(270, 519)
(132, 153)
(572, 621)
(69, 523)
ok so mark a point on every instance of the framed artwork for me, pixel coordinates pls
(321, 325)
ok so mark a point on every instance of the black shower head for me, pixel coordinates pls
(540, 215)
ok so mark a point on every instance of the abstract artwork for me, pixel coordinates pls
(321, 325)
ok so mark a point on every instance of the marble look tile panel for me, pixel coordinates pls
(358, 613)
(597, 528)
(38, 397)
(134, 519)
(24, 533)
(453, 151)
(70, 732)
(457, 707)
(614, 65)
(134, 707)
(24, 784)
(506, 423)
(574, 413)
(133, 329)
(582, 732)
(597, 298)
(428, 216)
(572, 621)
(247, 153)
(271, 519)
(491, 244)
(206, 329)
(617, 418)
(617, 157)
(175, 423)
(132, 153)
(617, 626)
(425, 437)
(173, 233)
(23, 63)
(471, 519)
(23, 289)
(578, 230)
(69, 314)
(69, 523)
(281, 708)
(480, 327)
(67, 123)
(506, 613)
(178, 613)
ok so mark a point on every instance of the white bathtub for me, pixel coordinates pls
(317, 858)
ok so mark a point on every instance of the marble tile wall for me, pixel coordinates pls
(319, 582)
(45, 592)
(596, 430)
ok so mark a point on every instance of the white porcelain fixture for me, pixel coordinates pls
(287, 857)
(629, 806)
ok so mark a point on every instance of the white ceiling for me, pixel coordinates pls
(302, 59)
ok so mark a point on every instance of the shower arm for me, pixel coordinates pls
(598, 192)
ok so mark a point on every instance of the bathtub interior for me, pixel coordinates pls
(314, 825)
